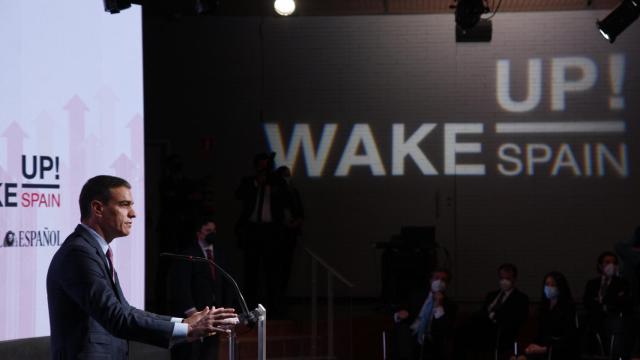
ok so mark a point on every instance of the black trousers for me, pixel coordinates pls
(263, 265)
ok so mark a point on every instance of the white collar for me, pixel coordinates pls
(102, 242)
(204, 245)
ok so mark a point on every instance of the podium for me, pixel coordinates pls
(259, 316)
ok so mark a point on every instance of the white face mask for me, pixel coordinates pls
(438, 286)
(610, 270)
(505, 284)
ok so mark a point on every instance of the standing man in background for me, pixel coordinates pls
(194, 285)
(260, 232)
(607, 301)
(292, 225)
(88, 313)
(496, 326)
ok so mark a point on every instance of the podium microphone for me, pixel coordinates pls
(247, 316)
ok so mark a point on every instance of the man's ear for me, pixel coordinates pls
(97, 208)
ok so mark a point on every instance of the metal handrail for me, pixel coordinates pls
(331, 273)
(329, 268)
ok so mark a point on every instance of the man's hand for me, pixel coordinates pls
(535, 349)
(400, 316)
(209, 321)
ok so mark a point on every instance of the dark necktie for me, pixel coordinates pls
(211, 266)
(113, 270)
(260, 203)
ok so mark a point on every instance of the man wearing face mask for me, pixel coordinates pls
(496, 326)
(264, 197)
(607, 300)
(192, 286)
(424, 325)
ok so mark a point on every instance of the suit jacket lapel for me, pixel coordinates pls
(105, 262)
(119, 290)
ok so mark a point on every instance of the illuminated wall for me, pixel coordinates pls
(70, 108)
(524, 149)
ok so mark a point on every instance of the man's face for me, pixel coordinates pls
(609, 259)
(507, 279)
(205, 230)
(440, 275)
(508, 275)
(116, 216)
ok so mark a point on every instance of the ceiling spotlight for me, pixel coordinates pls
(114, 6)
(284, 7)
(619, 19)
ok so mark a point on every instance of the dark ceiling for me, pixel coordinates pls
(365, 7)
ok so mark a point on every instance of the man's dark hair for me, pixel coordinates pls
(262, 157)
(442, 270)
(508, 267)
(98, 188)
(201, 221)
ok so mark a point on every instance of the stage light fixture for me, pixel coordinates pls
(482, 32)
(284, 7)
(468, 13)
(619, 19)
(114, 6)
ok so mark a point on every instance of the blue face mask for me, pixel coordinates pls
(438, 286)
(551, 292)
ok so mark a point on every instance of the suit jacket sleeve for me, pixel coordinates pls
(83, 279)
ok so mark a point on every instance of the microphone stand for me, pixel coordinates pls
(249, 318)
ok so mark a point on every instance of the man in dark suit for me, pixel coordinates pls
(608, 302)
(193, 286)
(89, 315)
(264, 197)
(497, 324)
(292, 224)
(423, 327)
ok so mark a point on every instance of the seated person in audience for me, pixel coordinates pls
(556, 338)
(423, 326)
(607, 301)
(497, 325)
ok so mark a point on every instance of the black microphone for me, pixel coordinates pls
(247, 316)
